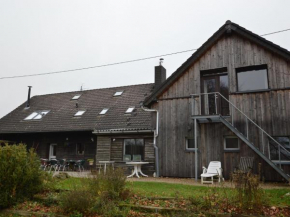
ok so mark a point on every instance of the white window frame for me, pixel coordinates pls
(130, 109)
(231, 149)
(186, 144)
(79, 113)
(104, 111)
(119, 93)
(51, 150)
(37, 115)
(76, 97)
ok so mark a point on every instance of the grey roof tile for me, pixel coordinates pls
(62, 110)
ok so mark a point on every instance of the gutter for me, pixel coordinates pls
(121, 131)
(155, 136)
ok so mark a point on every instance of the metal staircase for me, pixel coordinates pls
(205, 109)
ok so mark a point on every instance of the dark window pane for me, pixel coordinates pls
(134, 147)
(232, 143)
(224, 90)
(54, 150)
(274, 148)
(252, 80)
(209, 100)
(190, 143)
(80, 149)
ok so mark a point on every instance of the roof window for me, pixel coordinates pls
(118, 93)
(76, 97)
(104, 111)
(130, 110)
(79, 113)
(37, 115)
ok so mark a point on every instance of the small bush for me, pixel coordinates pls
(76, 202)
(109, 186)
(109, 208)
(20, 174)
(248, 191)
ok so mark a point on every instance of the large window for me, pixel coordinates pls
(134, 149)
(231, 143)
(274, 148)
(252, 78)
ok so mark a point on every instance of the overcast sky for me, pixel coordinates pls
(44, 36)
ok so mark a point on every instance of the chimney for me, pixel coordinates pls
(160, 75)
(28, 98)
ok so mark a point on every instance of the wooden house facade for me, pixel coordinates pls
(229, 100)
(102, 124)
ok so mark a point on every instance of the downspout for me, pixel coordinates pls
(154, 141)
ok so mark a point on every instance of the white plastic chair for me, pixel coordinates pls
(214, 169)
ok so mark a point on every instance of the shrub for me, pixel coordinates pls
(20, 174)
(76, 202)
(110, 185)
(249, 193)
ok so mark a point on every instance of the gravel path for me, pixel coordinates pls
(184, 181)
(189, 181)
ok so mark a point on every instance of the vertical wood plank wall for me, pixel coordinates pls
(269, 109)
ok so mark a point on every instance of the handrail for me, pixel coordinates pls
(263, 131)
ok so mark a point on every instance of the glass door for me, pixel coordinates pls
(52, 151)
(210, 104)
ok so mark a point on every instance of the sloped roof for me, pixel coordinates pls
(228, 28)
(62, 110)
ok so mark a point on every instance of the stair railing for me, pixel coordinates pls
(197, 99)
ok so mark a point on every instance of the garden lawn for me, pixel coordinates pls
(156, 189)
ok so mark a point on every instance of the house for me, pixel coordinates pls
(229, 100)
(101, 124)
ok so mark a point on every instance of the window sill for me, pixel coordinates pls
(250, 91)
(191, 150)
(230, 151)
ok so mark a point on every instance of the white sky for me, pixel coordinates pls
(44, 36)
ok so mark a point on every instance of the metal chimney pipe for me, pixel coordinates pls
(28, 98)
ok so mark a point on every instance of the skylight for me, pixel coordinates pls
(79, 113)
(104, 111)
(118, 93)
(76, 97)
(130, 110)
(37, 115)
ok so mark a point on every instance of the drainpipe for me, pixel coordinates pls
(154, 141)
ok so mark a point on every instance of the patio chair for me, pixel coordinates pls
(214, 170)
(44, 163)
(246, 164)
(62, 164)
(137, 157)
(53, 164)
(80, 165)
(127, 157)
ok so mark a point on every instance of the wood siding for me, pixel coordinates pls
(103, 148)
(66, 144)
(268, 109)
(112, 148)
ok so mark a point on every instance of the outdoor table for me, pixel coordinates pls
(105, 164)
(71, 164)
(137, 168)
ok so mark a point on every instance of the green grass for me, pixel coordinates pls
(151, 189)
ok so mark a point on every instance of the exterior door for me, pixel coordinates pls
(212, 104)
(52, 151)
